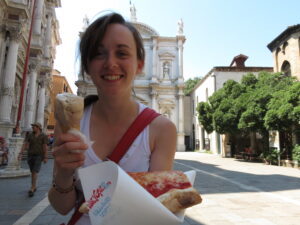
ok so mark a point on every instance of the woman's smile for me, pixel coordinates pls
(112, 77)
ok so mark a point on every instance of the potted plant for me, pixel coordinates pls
(296, 156)
(270, 156)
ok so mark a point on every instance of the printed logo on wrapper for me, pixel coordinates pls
(98, 203)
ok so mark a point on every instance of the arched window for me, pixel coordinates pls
(286, 68)
(285, 44)
(276, 58)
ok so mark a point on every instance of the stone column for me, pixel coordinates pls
(24, 120)
(7, 91)
(31, 96)
(13, 168)
(154, 60)
(154, 99)
(38, 17)
(180, 58)
(48, 37)
(41, 105)
(180, 134)
(2, 48)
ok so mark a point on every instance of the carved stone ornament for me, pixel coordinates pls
(16, 32)
(42, 82)
(166, 104)
(81, 92)
(7, 91)
(154, 93)
(33, 67)
(2, 31)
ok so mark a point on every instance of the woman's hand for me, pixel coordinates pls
(68, 153)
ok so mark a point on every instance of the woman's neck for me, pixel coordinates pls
(115, 111)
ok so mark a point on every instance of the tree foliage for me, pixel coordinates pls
(284, 108)
(190, 84)
(205, 116)
(225, 109)
(269, 101)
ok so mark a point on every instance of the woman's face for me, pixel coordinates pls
(114, 67)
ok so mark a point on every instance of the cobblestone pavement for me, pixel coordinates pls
(234, 193)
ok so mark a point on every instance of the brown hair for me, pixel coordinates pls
(94, 34)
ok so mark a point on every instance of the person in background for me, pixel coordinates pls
(112, 54)
(3, 151)
(36, 145)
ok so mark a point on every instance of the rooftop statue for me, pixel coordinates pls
(85, 22)
(133, 13)
(180, 27)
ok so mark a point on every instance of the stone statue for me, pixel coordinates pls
(180, 27)
(85, 22)
(133, 13)
(166, 70)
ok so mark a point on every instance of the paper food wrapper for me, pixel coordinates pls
(119, 199)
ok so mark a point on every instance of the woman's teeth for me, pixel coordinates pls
(112, 77)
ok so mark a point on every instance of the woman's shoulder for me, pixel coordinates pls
(162, 123)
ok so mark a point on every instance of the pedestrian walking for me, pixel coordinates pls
(36, 145)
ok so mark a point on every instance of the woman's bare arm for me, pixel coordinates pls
(163, 141)
(65, 164)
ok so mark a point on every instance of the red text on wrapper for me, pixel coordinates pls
(98, 193)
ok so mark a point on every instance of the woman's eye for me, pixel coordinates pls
(100, 54)
(122, 54)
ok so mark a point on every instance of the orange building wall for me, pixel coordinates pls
(59, 85)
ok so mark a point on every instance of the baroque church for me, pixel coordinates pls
(160, 85)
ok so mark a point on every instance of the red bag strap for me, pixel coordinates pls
(142, 120)
(138, 125)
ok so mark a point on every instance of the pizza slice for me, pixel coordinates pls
(172, 188)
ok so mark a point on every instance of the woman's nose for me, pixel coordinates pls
(110, 61)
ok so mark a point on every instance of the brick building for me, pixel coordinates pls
(285, 49)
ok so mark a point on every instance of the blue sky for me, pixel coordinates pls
(215, 30)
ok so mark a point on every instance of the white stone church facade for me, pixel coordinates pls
(160, 85)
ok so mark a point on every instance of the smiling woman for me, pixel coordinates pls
(112, 54)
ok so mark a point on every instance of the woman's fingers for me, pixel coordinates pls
(67, 137)
(68, 151)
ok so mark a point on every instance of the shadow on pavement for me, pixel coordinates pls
(211, 179)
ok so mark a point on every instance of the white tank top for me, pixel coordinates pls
(136, 159)
(138, 155)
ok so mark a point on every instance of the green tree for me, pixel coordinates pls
(256, 98)
(225, 110)
(205, 116)
(239, 108)
(284, 108)
(284, 113)
(190, 84)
